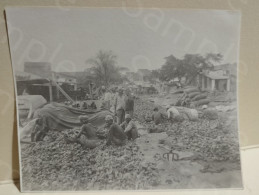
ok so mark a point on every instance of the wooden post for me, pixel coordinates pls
(228, 84)
(50, 92)
(212, 84)
(91, 90)
(202, 83)
(57, 93)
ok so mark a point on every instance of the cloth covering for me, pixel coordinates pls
(59, 116)
(31, 103)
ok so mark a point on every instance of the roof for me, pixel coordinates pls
(215, 75)
(232, 68)
(24, 76)
(66, 74)
(42, 69)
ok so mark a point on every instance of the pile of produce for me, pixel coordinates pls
(56, 165)
(211, 136)
(144, 110)
(193, 97)
(210, 139)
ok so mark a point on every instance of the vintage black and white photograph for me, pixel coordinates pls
(126, 98)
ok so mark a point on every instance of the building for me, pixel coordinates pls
(144, 74)
(133, 76)
(220, 78)
(39, 79)
(66, 78)
(31, 84)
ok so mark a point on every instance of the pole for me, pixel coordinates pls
(50, 92)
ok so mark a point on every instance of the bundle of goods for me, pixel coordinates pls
(210, 114)
(193, 97)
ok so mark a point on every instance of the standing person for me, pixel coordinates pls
(156, 116)
(116, 134)
(108, 99)
(129, 127)
(129, 103)
(119, 106)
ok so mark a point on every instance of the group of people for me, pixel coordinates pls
(81, 105)
(121, 103)
(114, 133)
(118, 127)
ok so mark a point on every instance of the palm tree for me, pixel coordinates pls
(104, 67)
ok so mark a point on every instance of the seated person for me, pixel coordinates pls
(116, 134)
(89, 139)
(129, 127)
(87, 129)
(102, 132)
(39, 131)
(93, 106)
(85, 106)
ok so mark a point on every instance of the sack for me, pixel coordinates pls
(192, 114)
(201, 102)
(210, 114)
(191, 90)
(193, 94)
(199, 97)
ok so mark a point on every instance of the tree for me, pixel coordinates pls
(104, 68)
(210, 58)
(195, 63)
(173, 68)
(189, 66)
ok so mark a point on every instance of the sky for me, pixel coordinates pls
(140, 38)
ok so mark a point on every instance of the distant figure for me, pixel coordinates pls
(156, 127)
(129, 127)
(156, 116)
(85, 106)
(87, 96)
(108, 99)
(116, 134)
(119, 106)
(25, 91)
(129, 103)
(93, 106)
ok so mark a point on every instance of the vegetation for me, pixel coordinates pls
(188, 67)
(104, 69)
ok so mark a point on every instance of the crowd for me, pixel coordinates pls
(119, 124)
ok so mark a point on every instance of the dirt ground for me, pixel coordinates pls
(208, 157)
(203, 164)
(191, 172)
